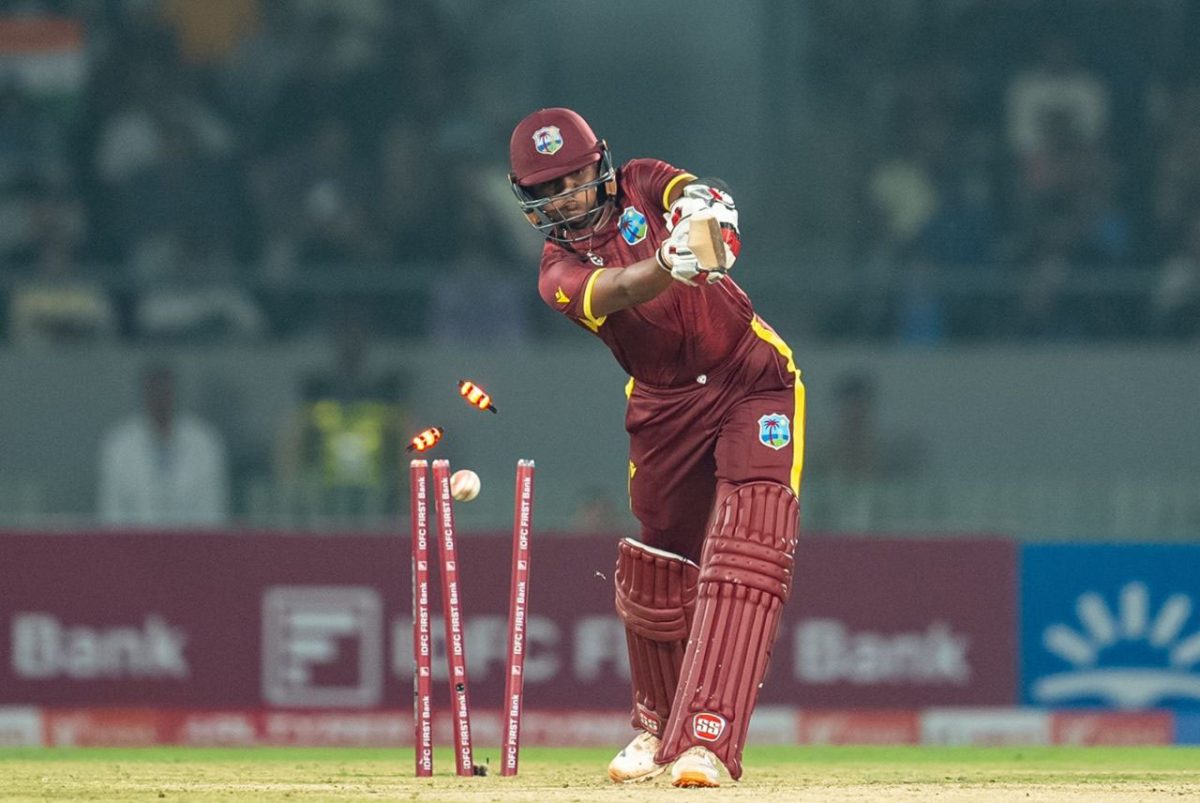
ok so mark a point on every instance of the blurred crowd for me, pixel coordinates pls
(1029, 169)
(179, 170)
(241, 171)
(230, 169)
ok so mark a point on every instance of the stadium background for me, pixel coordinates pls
(974, 222)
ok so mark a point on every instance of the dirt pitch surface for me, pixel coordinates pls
(561, 775)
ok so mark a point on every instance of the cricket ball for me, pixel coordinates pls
(464, 485)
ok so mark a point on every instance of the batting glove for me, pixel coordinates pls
(675, 257)
(702, 197)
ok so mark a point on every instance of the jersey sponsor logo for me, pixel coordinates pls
(708, 727)
(548, 140)
(633, 225)
(561, 297)
(774, 430)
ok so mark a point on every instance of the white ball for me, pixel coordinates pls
(464, 485)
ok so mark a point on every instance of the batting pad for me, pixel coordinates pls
(745, 578)
(656, 594)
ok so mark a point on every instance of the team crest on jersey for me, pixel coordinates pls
(547, 140)
(774, 430)
(633, 225)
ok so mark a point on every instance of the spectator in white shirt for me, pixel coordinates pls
(162, 467)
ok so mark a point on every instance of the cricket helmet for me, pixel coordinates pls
(549, 144)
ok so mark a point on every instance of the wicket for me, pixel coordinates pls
(518, 602)
(454, 622)
(422, 648)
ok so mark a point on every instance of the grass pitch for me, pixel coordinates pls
(550, 775)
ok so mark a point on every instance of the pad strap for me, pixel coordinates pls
(656, 595)
(745, 578)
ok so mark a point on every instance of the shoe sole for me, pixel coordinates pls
(694, 780)
(649, 776)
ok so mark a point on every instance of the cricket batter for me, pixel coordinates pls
(716, 425)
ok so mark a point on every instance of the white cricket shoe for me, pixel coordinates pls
(636, 762)
(696, 767)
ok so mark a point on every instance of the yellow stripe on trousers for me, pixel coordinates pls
(798, 418)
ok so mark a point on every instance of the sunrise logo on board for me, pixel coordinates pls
(1128, 655)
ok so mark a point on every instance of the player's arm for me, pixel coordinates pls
(682, 195)
(634, 284)
(621, 288)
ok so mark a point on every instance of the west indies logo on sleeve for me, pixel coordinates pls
(547, 140)
(774, 430)
(633, 225)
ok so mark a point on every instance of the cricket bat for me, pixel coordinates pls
(704, 238)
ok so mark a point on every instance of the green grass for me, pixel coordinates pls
(563, 774)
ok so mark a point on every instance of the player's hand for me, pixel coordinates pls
(702, 197)
(675, 257)
(697, 196)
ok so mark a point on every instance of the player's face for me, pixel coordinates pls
(568, 204)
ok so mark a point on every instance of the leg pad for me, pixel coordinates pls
(745, 578)
(656, 595)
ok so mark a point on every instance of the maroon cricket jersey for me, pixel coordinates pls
(680, 334)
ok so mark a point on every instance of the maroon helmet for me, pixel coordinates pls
(549, 144)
